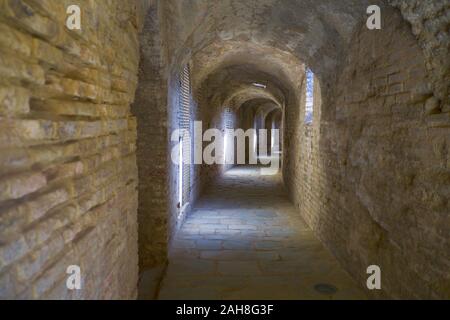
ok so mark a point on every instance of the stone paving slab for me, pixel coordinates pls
(245, 240)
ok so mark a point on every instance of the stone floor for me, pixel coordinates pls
(245, 240)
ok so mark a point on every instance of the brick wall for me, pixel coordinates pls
(67, 138)
(150, 109)
(371, 177)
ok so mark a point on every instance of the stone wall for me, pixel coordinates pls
(202, 174)
(67, 138)
(429, 23)
(372, 175)
(150, 109)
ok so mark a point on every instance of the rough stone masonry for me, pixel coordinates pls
(68, 140)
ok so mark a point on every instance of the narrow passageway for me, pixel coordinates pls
(118, 132)
(244, 240)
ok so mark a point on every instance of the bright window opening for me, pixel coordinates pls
(259, 85)
(309, 96)
(184, 122)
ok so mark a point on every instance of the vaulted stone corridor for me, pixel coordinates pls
(232, 149)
